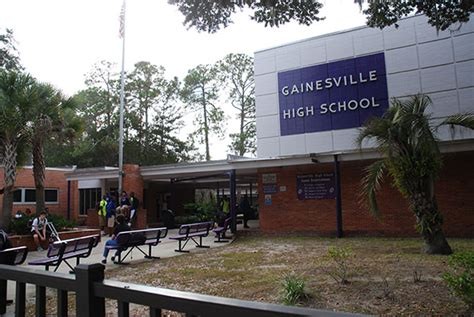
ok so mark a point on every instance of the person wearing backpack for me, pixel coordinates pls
(38, 229)
(110, 214)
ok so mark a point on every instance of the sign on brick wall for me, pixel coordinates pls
(315, 186)
(332, 96)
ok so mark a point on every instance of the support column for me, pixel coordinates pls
(233, 210)
(133, 182)
(337, 176)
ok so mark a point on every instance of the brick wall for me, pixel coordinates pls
(454, 190)
(54, 179)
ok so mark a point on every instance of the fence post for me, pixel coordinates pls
(87, 304)
(3, 297)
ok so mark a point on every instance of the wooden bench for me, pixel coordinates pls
(61, 251)
(13, 256)
(134, 239)
(192, 231)
(220, 231)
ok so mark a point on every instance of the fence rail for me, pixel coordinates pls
(91, 291)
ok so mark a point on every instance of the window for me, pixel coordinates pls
(51, 195)
(17, 196)
(88, 199)
(28, 196)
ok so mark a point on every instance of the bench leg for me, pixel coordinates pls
(180, 249)
(199, 245)
(221, 238)
(121, 259)
(72, 271)
(149, 256)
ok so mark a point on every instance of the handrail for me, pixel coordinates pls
(199, 304)
(66, 282)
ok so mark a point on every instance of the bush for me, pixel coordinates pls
(294, 290)
(460, 278)
(60, 222)
(181, 220)
(203, 211)
(20, 225)
(340, 271)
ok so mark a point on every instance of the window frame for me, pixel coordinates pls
(23, 196)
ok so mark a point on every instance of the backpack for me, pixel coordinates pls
(5, 242)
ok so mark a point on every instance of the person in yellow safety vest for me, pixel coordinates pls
(225, 205)
(102, 213)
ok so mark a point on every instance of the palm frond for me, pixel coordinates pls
(461, 119)
(371, 184)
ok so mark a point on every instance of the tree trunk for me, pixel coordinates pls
(242, 149)
(436, 243)
(429, 223)
(9, 161)
(38, 173)
(206, 125)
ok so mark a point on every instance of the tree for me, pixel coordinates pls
(16, 95)
(47, 116)
(154, 115)
(9, 58)
(237, 72)
(211, 16)
(441, 14)
(200, 92)
(406, 136)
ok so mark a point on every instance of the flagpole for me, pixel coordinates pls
(122, 97)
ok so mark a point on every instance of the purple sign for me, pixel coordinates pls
(270, 188)
(332, 96)
(315, 186)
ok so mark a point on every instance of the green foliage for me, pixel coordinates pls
(460, 278)
(9, 58)
(20, 225)
(152, 120)
(180, 220)
(60, 222)
(211, 16)
(201, 93)
(441, 14)
(341, 261)
(236, 71)
(294, 291)
(406, 136)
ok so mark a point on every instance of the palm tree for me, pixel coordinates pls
(47, 118)
(406, 136)
(16, 90)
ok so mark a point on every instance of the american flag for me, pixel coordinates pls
(122, 21)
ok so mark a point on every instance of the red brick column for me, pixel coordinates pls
(133, 182)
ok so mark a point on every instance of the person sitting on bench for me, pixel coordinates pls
(121, 226)
(38, 229)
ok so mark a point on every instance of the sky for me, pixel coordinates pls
(60, 40)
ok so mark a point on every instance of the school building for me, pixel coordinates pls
(311, 98)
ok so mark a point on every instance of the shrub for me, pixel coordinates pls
(341, 257)
(20, 225)
(180, 220)
(60, 222)
(460, 278)
(294, 290)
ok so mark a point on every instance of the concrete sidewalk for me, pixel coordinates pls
(163, 250)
